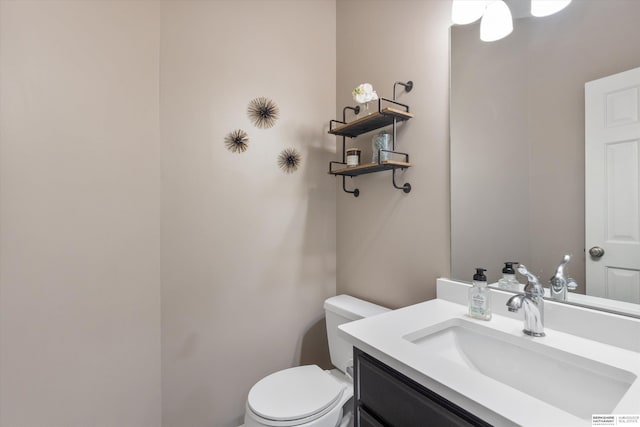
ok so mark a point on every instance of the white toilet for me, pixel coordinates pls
(308, 396)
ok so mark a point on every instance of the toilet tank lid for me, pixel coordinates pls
(352, 308)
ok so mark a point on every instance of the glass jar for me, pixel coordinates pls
(381, 141)
(353, 157)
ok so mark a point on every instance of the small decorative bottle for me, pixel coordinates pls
(508, 281)
(480, 296)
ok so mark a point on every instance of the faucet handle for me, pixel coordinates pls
(533, 284)
(559, 275)
(572, 285)
(522, 269)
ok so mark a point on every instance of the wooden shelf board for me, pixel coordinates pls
(370, 168)
(371, 122)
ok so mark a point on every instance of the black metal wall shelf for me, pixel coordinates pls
(388, 115)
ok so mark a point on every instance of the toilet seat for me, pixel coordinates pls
(295, 396)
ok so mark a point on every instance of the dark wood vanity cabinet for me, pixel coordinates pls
(384, 397)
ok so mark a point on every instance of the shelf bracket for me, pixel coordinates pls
(355, 192)
(355, 109)
(406, 187)
(407, 87)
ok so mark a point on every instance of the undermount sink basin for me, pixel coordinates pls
(573, 383)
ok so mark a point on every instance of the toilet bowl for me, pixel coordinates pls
(301, 396)
(308, 396)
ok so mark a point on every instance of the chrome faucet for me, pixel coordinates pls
(533, 303)
(559, 285)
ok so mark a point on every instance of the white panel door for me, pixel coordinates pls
(612, 186)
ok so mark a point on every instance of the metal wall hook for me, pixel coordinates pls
(407, 87)
(355, 109)
(355, 192)
(406, 187)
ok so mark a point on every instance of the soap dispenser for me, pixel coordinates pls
(508, 281)
(480, 296)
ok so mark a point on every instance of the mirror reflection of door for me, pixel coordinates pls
(612, 186)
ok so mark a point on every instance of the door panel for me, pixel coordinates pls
(612, 185)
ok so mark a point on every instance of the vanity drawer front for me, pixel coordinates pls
(367, 420)
(395, 400)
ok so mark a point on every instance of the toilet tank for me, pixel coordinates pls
(342, 309)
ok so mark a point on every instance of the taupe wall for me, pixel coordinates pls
(248, 252)
(392, 246)
(97, 97)
(79, 214)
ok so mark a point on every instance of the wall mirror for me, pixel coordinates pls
(518, 140)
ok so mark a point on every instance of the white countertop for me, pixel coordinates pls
(382, 336)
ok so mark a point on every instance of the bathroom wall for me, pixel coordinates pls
(113, 112)
(79, 214)
(248, 251)
(391, 245)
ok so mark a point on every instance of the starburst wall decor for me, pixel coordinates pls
(289, 160)
(237, 141)
(263, 112)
